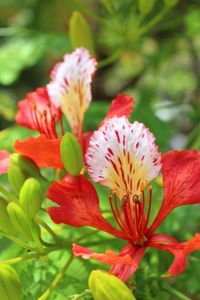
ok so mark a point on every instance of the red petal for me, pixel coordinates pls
(36, 112)
(193, 244)
(43, 151)
(109, 257)
(4, 161)
(179, 250)
(79, 205)
(86, 139)
(123, 270)
(181, 173)
(122, 105)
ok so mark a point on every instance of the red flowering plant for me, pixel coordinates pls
(22, 214)
(119, 158)
(68, 94)
(125, 158)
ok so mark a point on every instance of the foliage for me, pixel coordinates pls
(150, 51)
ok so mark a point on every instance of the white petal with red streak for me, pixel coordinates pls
(123, 156)
(70, 87)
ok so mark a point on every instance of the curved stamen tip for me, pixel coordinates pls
(149, 187)
(143, 184)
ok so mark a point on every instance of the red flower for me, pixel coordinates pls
(4, 161)
(69, 93)
(125, 158)
(37, 112)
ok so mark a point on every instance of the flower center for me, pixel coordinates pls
(132, 215)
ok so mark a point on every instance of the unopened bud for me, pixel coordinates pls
(30, 197)
(80, 32)
(10, 288)
(171, 3)
(19, 220)
(146, 6)
(105, 286)
(5, 223)
(26, 164)
(71, 154)
(16, 178)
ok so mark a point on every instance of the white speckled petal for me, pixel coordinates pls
(123, 156)
(70, 87)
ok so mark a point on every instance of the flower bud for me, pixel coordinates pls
(10, 288)
(30, 197)
(19, 220)
(80, 32)
(146, 6)
(26, 164)
(171, 3)
(71, 154)
(105, 286)
(16, 178)
(5, 223)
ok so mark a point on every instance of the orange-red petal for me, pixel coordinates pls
(180, 251)
(181, 173)
(78, 205)
(122, 105)
(108, 257)
(43, 151)
(123, 270)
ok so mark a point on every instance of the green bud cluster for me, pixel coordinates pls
(17, 218)
(10, 288)
(26, 165)
(105, 286)
(21, 168)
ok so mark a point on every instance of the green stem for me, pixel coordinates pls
(48, 229)
(173, 291)
(152, 22)
(17, 241)
(56, 280)
(19, 259)
(85, 236)
(9, 197)
(112, 58)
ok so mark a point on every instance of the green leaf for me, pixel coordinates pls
(71, 154)
(80, 32)
(105, 286)
(18, 54)
(146, 6)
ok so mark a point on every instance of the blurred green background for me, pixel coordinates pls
(148, 49)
